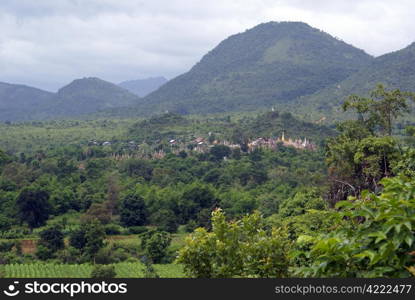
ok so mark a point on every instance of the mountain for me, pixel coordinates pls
(89, 95)
(271, 63)
(20, 102)
(394, 70)
(80, 97)
(143, 87)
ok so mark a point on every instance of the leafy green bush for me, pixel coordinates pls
(44, 253)
(52, 238)
(243, 248)
(301, 202)
(376, 241)
(154, 243)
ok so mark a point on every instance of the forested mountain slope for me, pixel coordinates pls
(20, 101)
(395, 70)
(269, 64)
(80, 97)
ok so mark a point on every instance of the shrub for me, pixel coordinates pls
(243, 248)
(52, 238)
(376, 241)
(154, 244)
(44, 253)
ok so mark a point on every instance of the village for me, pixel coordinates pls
(133, 149)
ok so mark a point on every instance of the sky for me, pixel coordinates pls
(49, 43)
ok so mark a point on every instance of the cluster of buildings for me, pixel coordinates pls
(203, 145)
(271, 143)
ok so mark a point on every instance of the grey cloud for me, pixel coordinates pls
(47, 43)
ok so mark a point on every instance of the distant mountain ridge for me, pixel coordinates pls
(286, 65)
(93, 94)
(143, 87)
(18, 102)
(80, 97)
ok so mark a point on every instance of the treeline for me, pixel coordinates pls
(176, 183)
(73, 198)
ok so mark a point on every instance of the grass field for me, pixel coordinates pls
(48, 270)
(33, 136)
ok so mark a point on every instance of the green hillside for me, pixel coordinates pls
(22, 102)
(269, 64)
(88, 95)
(80, 97)
(395, 70)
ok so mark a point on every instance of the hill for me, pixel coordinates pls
(143, 87)
(89, 95)
(20, 102)
(80, 97)
(395, 70)
(269, 64)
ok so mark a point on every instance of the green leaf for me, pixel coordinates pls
(409, 240)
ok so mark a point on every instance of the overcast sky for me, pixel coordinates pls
(48, 43)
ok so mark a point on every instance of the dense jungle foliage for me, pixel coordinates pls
(204, 195)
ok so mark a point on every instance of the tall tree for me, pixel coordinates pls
(33, 206)
(94, 237)
(381, 109)
(364, 152)
(133, 211)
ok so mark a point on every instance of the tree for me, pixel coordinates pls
(376, 238)
(77, 238)
(138, 168)
(33, 206)
(99, 211)
(155, 244)
(88, 238)
(355, 165)
(381, 109)
(133, 211)
(52, 238)
(243, 248)
(218, 152)
(364, 152)
(195, 197)
(94, 238)
(165, 220)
